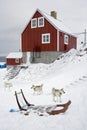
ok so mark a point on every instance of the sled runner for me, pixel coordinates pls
(65, 107)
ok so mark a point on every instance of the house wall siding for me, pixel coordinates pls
(71, 42)
(12, 61)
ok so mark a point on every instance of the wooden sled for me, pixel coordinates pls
(48, 109)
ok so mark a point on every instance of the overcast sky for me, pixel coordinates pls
(15, 14)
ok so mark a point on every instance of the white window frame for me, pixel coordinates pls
(32, 25)
(45, 40)
(17, 60)
(66, 39)
(42, 25)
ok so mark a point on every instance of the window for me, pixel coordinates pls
(46, 38)
(66, 39)
(16, 60)
(40, 22)
(34, 23)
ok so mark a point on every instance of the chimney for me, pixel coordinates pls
(54, 14)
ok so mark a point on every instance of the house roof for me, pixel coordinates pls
(13, 55)
(58, 24)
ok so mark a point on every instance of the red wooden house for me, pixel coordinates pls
(45, 37)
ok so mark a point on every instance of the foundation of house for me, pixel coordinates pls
(41, 57)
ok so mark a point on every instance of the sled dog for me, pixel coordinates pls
(57, 93)
(7, 85)
(37, 88)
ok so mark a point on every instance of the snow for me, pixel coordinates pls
(68, 72)
(2, 63)
(15, 55)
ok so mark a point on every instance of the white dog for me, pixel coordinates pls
(37, 88)
(57, 93)
(7, 85)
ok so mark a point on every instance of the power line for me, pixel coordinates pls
(79, 33)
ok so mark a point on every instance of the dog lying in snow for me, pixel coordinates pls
(57, 93)
(37, 88)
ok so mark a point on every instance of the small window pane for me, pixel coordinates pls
(16, 60)
(40, 22)
(66, 39)
(43, 38)
(34, 23)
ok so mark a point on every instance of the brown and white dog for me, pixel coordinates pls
(57, 93)
(38, 89)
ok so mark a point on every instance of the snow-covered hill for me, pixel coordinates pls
(69, 72)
